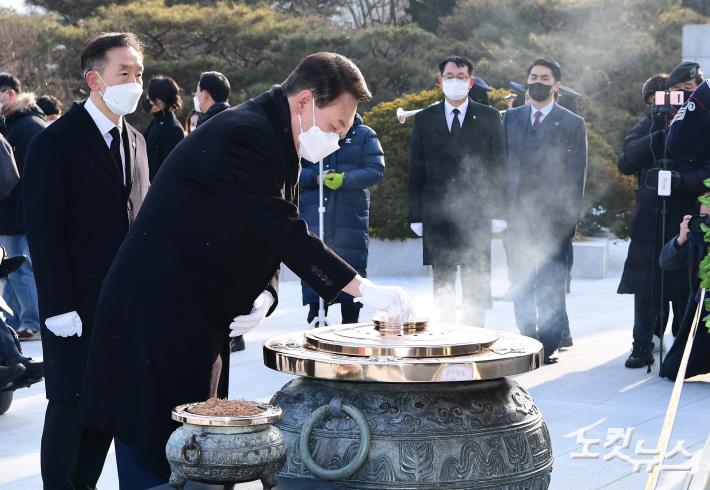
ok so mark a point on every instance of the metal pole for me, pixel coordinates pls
(321, 218)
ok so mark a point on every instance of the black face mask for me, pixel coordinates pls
(146, 105)
(539, 91)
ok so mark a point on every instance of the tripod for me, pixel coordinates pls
(664, 190)
(320, 320)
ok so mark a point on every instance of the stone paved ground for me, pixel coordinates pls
(589, 388)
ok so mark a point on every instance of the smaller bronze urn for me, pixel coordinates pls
(225, 450)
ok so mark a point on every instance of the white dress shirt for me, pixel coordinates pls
(545, 111)
(450, 112)
(105, 125)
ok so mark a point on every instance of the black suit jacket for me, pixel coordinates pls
(219, 218)
(162, 135)
(77, 213)
(546, 171)
(454, 183)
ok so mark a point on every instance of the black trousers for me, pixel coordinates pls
(350, 312)
(539, 278)
(71, 458)
(475, 293)
(646, 316)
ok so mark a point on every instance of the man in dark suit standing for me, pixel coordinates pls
(211, 96)
(200, 263)
(457, 154)
(85, 179)
(546, 169)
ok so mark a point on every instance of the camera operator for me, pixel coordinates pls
(643, 154)
(685, 251)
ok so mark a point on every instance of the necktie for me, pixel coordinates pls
(115, 149)
(455, 124)
(538, 115)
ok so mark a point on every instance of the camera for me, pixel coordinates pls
(669, 97)
(667, 102)
(696, 221)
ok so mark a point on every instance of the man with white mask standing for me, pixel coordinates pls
(457, 154)
(200, 263)
(85, 179)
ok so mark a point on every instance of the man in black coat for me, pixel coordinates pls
(546, 170)
(85, 179)
(456, 156)
(211, 96)
(205, 251)
(23, 121)
(643, 151)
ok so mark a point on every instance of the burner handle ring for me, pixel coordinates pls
(360, 457)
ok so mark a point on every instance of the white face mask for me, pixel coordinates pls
(455, 89)
(122, 99)
(316, 144)
(196, 103)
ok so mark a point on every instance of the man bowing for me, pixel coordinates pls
(203, 256)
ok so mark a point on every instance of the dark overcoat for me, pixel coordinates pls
(454, 184)
(21, 126)
(162, 135)
(642, 153)
(219, 218)
(347, 209)
(687, 259)
(77, 213)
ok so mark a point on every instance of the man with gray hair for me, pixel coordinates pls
(85, 179)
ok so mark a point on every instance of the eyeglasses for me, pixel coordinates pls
(462, 78)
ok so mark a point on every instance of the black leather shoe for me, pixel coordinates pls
(640, 357)
(550, 360)
(8, 374)
(34, 371)
(237, 344)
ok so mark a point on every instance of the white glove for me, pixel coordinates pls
(243, 323)
(498, 225)
(64, 325)
(391, 299)
(417, 228)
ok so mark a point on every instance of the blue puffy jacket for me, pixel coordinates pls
(347, 209)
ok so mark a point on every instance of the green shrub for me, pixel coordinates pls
(389, 206)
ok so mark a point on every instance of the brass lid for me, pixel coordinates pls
(362, 352)
(271, 413)
(409, 340)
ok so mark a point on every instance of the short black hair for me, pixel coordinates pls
(49, 104)
(549, 63)
(328, 76)
(652, 85)
(216, 85)
(7, 81)
(93, 56)
(165, 89)
(458, 61)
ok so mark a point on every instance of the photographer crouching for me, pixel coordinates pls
(685, 251)
(645, 155)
